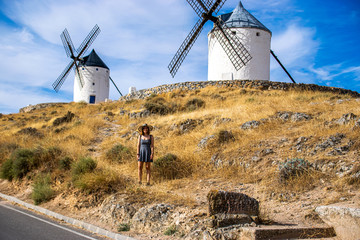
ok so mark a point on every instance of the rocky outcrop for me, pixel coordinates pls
(152, 218)
(345, 220)
(32, 108)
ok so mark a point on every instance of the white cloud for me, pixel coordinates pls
(295, 45)
(328, 73)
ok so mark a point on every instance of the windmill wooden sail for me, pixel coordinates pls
(91, 73)
(236, 52)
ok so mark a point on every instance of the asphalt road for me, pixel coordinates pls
(19, 224)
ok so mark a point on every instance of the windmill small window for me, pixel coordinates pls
(97, 69)
(257, 34)
(93, 84)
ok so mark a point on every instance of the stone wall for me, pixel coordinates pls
(256, 84)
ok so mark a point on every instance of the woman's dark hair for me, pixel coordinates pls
(142, 130)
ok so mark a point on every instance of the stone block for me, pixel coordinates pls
(232, 203)
(225, 219)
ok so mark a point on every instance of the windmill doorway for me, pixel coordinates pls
(92, 99)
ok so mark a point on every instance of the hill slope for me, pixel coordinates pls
(292, 150)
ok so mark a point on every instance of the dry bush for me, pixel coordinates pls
(119, 154)
(82, 166)
(102, 181)
(170, 167)
(42, 191)
(194, 104)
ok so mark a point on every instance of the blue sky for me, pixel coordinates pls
(318, 42)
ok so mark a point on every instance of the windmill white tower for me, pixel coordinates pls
(255, 37)
(95, 75)
(92, 76)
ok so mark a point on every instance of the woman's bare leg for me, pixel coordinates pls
(148, 172)
(140, 167)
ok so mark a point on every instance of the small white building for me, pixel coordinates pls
(95, 75)
(255, 37)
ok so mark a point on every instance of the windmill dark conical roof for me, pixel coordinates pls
(241, 18)
(93, 60)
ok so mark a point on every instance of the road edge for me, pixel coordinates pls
(72, 221)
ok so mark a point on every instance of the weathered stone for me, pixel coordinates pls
(117, 209)
(330, 142)
(295, 117)
(266, 151)
(221, 121)
(218, 161)
(205, 141)
(345, 220)
(300, 143)
(153, 218)
(141, 114)
(188, 125)
(232, 203)
(250, 125)
(285, 116)
(346, 118)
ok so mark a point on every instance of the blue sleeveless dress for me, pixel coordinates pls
(145, 150)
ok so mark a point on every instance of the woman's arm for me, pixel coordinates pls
(152, 147)
(138, 148)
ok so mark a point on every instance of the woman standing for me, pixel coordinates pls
(145, 151)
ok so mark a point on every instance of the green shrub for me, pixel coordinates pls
(224, 136)
(169, 167)
(65, 163)
(124, 227)
(119, 154)
(157, 105)
(31, 132)
(157, 108)
(46, 156)
(293, 168)
(194, 104)
(42, 191)
(65, 119)
(22, 162)
(6, 170)
(170, 230)
(84, 165)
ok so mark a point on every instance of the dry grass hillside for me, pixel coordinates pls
(292, 150)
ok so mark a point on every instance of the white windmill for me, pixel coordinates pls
(92, 76)
(254, 36)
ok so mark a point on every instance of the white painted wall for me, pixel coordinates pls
(96, 83)
(221, 68)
